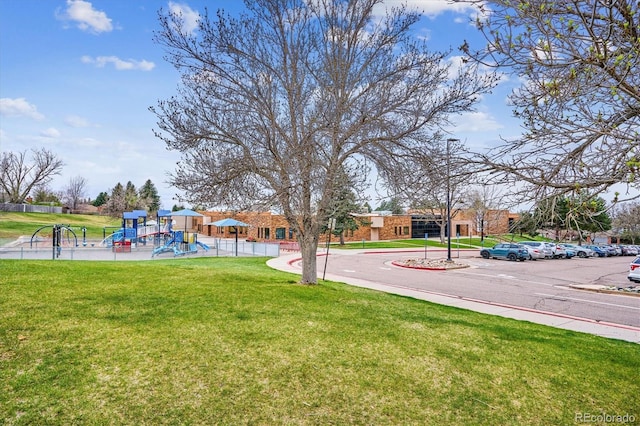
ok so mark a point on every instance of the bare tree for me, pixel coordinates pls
(275, 104)
(627, 221)
(580, 100)
(75, 191)
(424, 179)
(117, 202)
(18, 177)
(482, 200)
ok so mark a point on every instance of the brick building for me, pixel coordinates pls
(375, 226)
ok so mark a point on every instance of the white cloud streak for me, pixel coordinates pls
(189, 16)
(86, 17)
(431, 8)
(19, 107)
(51, 132)
(119, 64)
(76, 121)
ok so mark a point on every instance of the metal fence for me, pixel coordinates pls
(43, 249)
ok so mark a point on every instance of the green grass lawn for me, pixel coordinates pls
(418, 243)
(230, 341)
(13, 225)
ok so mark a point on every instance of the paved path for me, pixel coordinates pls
(402, 286)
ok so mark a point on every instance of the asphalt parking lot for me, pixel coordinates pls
(544, 285)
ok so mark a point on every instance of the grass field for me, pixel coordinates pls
(13, 225)
(418, 243)
(230, 341)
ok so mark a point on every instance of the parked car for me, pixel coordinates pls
(569, 252)
(540, 246)
(580, 251)
(535, 253)
(610, 250)
(558, 251)
(634, 270)
(599, 251)
(629, 250)
(510, 251)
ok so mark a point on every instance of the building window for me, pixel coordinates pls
(405, 230)
(280, 233)
(291, 233)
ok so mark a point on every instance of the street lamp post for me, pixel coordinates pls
(449, 199)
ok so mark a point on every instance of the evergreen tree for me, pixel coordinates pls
(101, 199)
(148, 197)
(345, 203)
(526, 224)
(393, 205)
(582, 213)
(131, 197)
(43, 194)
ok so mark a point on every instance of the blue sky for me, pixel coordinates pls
(77, 77)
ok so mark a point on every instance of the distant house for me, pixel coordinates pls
(86, 209)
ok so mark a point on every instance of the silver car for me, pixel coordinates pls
(558, 251)
(580, 250)
(534, 252)
(540, 246)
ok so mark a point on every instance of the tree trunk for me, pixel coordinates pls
(309, 247)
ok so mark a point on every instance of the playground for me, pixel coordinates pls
(167, 234)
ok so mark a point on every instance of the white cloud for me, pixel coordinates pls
(189, 16)
(19, 107)
(476, 122)
(86, 17)
(119, 64)
(51, 132)
(89, 142)
(431, 8)
(76, 121)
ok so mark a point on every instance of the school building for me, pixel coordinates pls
(375, 226)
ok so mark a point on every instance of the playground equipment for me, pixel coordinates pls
(135, 230)
(180, 243)
(58, 233)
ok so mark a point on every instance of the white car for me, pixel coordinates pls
(634, 270)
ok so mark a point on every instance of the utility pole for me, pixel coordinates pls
(449, 198)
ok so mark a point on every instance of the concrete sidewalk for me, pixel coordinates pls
(290, 263)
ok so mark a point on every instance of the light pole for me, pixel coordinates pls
(449, 199)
